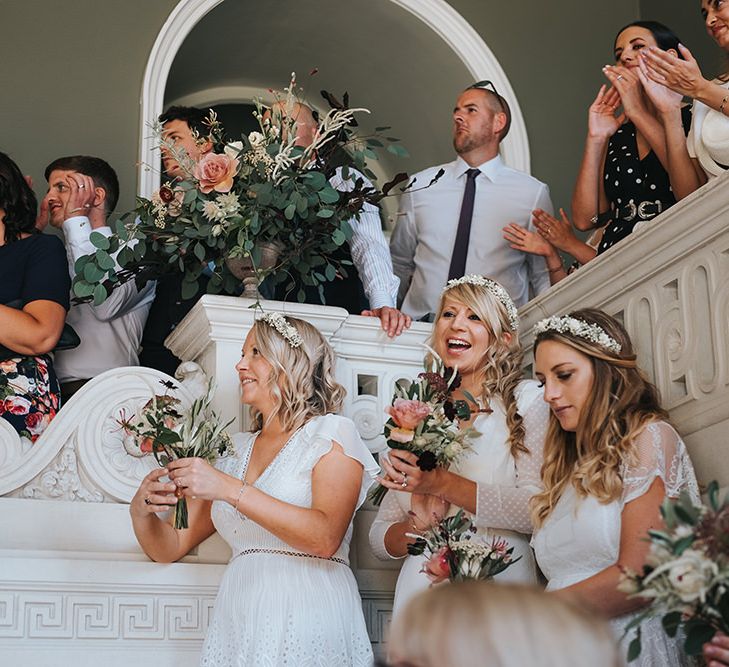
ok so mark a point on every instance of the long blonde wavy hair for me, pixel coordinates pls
(621, 402)
(302, 379)
(502, 359)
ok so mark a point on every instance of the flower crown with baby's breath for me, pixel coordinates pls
(493, 288)
(571, 325)
(278, 322)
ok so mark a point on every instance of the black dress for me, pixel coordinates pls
(636, 189)
(31, 269)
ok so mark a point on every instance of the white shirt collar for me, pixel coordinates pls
(490, 168)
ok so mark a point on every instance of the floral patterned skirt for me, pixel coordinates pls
(29, 394)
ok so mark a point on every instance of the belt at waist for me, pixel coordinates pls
(644, 210)
(284, 552)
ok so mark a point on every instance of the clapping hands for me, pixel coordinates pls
(602, 119)
(681, 76)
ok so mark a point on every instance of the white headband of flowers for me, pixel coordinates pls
(494, 288)
(278, 322)
(571, 325)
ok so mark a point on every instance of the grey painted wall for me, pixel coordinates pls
(72, 73)
(70, 80)
(684, 17)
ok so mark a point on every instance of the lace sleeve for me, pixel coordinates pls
(390, 512)
(659, 452)
(507, 507)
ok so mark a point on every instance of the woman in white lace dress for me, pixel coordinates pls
(476, 331)
(284, 503)
(610, 460)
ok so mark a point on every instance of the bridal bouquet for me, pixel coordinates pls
(454, 555)
(424, 420)
(160, 428)
(256, 205)
(686, 575)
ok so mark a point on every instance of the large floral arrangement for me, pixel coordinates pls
(424, 419)
(162, 429)
(454, 553)
(243, 197)
(686, 575)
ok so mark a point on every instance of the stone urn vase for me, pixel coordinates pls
(242, 267)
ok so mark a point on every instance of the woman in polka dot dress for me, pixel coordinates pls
(623, 178)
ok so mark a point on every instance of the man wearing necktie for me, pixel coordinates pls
(454, 226)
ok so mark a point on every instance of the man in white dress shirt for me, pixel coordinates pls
(368, 247)
(82, 192)
(424, 250)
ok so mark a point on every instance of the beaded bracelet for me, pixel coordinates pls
(723, 102)
(240, 493)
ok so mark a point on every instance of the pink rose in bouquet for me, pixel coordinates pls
(216, 172)
(437, 568)
(408, 413)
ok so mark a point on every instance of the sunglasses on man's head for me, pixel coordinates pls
(489, 85)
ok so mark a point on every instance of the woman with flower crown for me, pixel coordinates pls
(610, 460)
(476, 330)
(284, 503)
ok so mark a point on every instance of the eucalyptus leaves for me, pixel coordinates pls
(262, 189)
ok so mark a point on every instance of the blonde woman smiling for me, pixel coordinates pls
(476, 331)
(284, 504)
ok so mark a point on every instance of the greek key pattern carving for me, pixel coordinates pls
(48, 615)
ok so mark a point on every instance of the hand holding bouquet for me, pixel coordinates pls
(160, 429)
(686, 575)
(424, 419)
(454, 555)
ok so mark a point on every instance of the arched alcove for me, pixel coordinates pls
(403, 59)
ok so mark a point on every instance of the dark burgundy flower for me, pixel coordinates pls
(435, 381)
(427, 461)
(450, 372)
(450, 410)
(713, 531)
(166, 194)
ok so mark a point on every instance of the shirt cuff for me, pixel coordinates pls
(380, 299)
(76, 228)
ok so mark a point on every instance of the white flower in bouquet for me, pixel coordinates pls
(692, 575)
(234, 148)
(453, 449)
(256, 139)
(658, 554)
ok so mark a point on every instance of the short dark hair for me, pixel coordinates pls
(665, 37)
(99, 170)
(17, 200)
(497, 102)
(193, 116)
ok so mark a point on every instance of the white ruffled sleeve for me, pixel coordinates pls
(507, 507)
(659, 452)
(390, 512)
(322, 432)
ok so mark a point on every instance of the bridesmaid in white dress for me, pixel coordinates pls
(476, 331)
(610, 460)
(284, 503)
